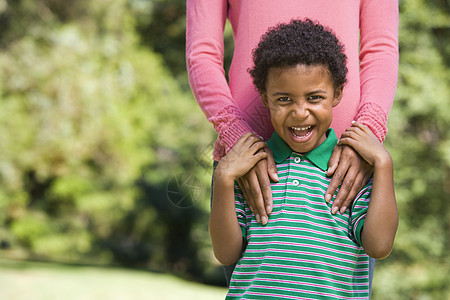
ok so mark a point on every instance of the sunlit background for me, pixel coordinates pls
(106, 159)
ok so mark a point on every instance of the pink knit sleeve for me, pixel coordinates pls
(378, 62)
(205, 22)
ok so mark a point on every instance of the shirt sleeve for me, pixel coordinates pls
(359, 212)
(378, 62)
(205, 23)
(239, 202)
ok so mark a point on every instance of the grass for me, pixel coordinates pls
(20, 280)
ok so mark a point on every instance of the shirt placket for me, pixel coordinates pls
(294, 182)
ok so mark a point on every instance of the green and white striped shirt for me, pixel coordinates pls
(304, 252)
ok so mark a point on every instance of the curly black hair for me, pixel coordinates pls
(299, 42)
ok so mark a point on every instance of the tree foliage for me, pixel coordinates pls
(93, 129)
(419, 141)
(161, 25)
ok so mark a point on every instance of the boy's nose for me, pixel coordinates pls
(300, 112)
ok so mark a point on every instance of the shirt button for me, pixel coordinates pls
(295, 182)
(297, 159)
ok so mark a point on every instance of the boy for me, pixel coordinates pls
(305, 251)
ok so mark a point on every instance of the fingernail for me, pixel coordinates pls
(258, 218)
(327, 198)
(264, 220)
(353, 122)
(276, 176)
(334, 210)
(343, 209)
(268, 209)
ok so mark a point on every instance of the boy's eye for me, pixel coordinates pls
(315, 98)
(284, 100)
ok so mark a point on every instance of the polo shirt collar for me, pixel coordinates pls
(318, 156)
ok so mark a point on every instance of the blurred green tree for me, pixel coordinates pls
(419, 141)
(161, 25)
(93, 130)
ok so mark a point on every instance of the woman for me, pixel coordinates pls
(369, 32)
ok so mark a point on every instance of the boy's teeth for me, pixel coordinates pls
(301, 128)
(301, 131)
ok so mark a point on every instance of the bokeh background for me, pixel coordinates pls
(106, 159)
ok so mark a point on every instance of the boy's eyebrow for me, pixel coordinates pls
(309, 93)
(280, 94)
(316, 91)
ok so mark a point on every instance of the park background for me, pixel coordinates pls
(105, 157)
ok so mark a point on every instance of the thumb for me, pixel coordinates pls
(271, 165)
(334, 160)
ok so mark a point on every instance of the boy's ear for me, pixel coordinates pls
(338, 95)
(264, 99)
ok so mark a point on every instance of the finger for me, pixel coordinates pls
(246, 140)
(264, 184)
(334, 183)
(368, 171)
(344, 190)
(351, 136)
(247, 147)
(356, 188)
(243, 188)
(244, 137)
(255, 194)
(363, 127)
(359, 125)
(260, 156)
(337, 176)
(257, 145)
(352, 132)
(334, 161)
(347, 173)
(271, 165)
(240, 145)
(347, 134)
(349, 141)
(367, 177)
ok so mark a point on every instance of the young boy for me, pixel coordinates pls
(305, 251)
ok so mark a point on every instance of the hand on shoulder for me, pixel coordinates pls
(361, 138)
(242, 157)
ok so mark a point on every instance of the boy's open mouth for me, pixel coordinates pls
(301, 132)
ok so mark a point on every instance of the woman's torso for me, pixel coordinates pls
(250, 19)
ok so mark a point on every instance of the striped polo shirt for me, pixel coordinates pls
(304, 252)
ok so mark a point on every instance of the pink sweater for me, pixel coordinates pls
(367, 28)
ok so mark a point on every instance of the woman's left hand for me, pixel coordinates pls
(350, 169)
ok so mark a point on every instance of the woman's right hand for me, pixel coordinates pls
(255, 185)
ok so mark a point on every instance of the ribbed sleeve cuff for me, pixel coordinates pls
(230, 125)
(373, 116)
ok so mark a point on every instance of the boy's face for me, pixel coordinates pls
(300, 100)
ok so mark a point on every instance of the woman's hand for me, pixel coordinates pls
(255, 186)
(350, 169)
(224, 228)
